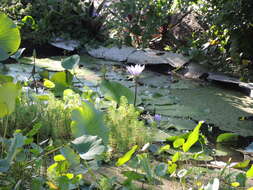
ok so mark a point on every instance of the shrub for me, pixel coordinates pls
(69, 19)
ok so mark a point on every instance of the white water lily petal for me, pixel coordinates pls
(135, 70)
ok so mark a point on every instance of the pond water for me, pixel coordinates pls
(181, 102)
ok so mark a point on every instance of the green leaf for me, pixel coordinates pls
(18, 54)
(175, 157)
(8, 95)
(35, 130)
(70, 155)
(122, 160)
(132, 175)
(161, 169)
(16, 142)
(9, 36)
(62, 78)
(249, 173)
(243, 164)
(70, 62)
(4, 165)
(193, 137)
(114, 90)
(227, 137)
(164, 148)
(44, 74)
(87, 120)
(3, 55)
(88, 147)
(241, 178)
(178, 142)
(145, 165)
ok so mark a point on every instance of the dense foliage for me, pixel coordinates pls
(43, 21)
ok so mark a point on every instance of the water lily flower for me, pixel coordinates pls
(136, 70)
(157, 117)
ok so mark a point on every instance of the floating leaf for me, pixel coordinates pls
(114, 90)
(227, 137)
(9, 36)
(87, 120)
(70, 62)
(193, 137)
(88, 147)
(178, 142)
(127, 156)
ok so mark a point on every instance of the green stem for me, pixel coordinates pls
(5, 132)
(135, 92)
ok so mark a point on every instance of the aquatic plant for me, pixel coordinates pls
(125, 128)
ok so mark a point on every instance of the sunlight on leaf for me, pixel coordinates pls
(175, 157)
(164, 149)
(178, 142)
(193, 137)
(243, 164)
(235, 184)
(86, 120)
(9, 36)
(59, 158)
(127, 156)
(171, 167)
(114, 90)
(249, 173)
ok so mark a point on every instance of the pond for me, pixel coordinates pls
(180, 102)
